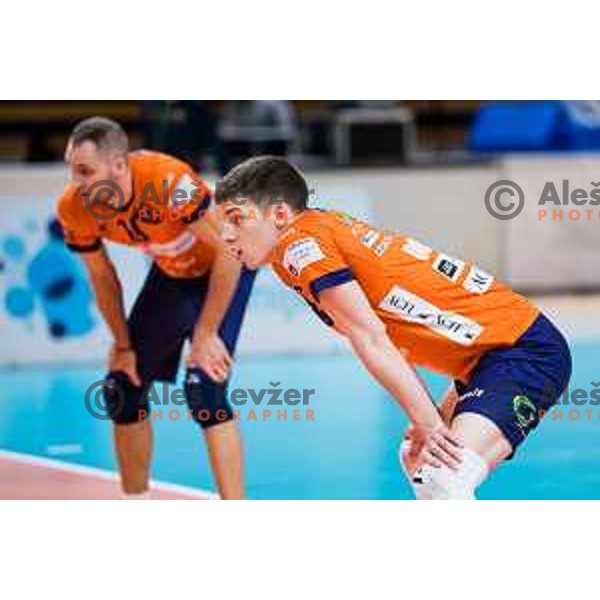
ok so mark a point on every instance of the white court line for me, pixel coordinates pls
(59, 465)
(64, 449)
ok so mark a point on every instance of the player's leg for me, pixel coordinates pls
(133, 446)
(210, 407)
(502, 404)
(132, 437)
(475, 432)
(157, 342)
(484, 448)
(481, 435)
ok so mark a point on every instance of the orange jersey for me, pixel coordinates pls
(445, 312)
(167, 197)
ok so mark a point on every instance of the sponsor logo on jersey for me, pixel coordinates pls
(383, 245)
(345, 219)
(412, 308)
(449, 267)
(369, 238)
(478, 281)
(182, 243)
(416, 249)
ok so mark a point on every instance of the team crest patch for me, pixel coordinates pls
(525, 412)
(300, 254)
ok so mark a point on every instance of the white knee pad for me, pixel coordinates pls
(442, 483)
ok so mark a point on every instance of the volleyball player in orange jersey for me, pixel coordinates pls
(194, 290)
(401, 303)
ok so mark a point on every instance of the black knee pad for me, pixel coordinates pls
(207, 400)
(125, 403)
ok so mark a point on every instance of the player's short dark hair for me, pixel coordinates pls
(266, 180)
(107, 134)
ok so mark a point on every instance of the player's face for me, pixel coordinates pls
(89, 168)
(249, 231)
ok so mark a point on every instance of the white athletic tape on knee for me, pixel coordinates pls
(431, 483)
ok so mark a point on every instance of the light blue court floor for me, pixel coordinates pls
(347, 452)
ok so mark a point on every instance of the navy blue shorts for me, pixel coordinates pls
(514, 387)
(165, 314)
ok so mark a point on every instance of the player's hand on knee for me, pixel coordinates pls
(124, 360)
(409, 434)
(209, 353)
(436, 447)
(410, 449)
(408, 457)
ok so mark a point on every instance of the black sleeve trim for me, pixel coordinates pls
(82, 249)
(329, 280)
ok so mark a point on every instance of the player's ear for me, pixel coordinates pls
(281, 216)
(119, 164)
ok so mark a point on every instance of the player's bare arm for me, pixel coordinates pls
(411, 448)
(109, 299)
(447, 404)
(356, 320)
(208, 350)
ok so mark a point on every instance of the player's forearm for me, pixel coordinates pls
(386, 363)
(109, 299)
(448, 404)
(224, 277)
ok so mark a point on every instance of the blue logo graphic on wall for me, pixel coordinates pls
(53, 285)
